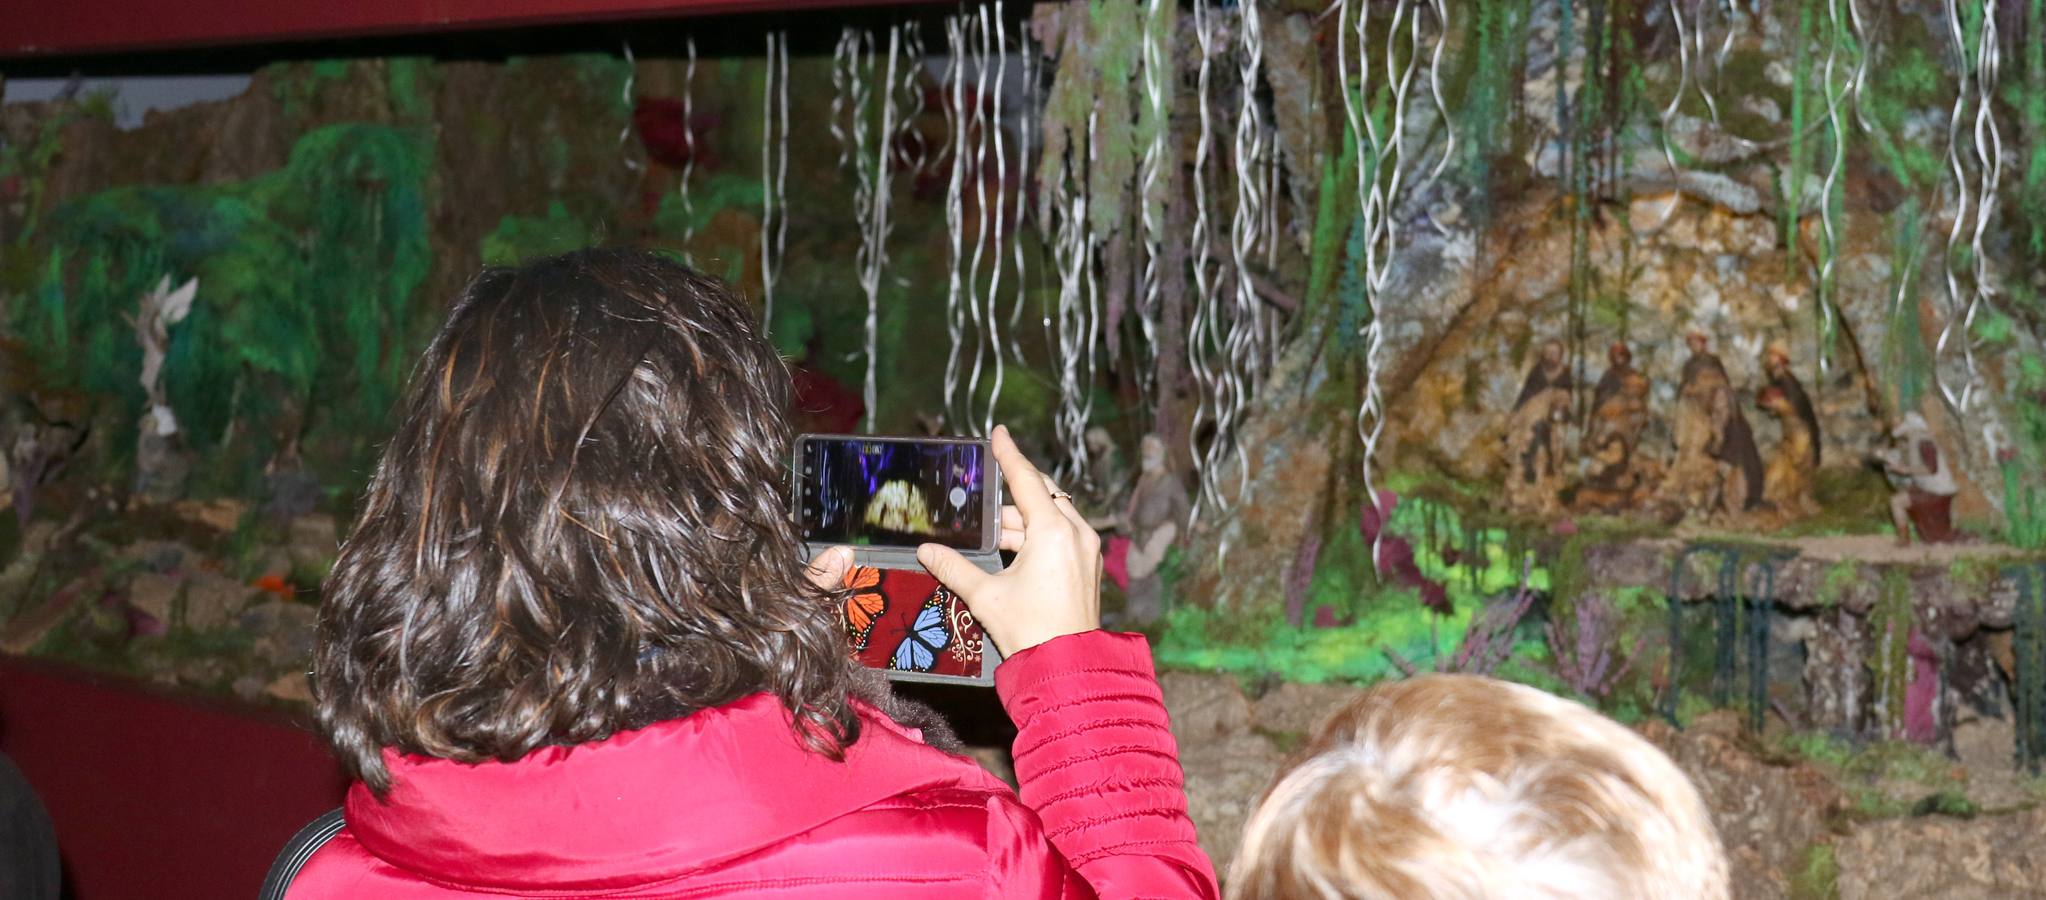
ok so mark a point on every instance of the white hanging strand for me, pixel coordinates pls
(1441, 8)
(1075, 327)
(977, 134)
(872, 192)
(1026, 150)
(1379, 179)
(1151, 187)
(1989, 163)
(844, 69)
(688, 152)
(878, 223)
(994, 40)
(625, 97)
(1976, 86)
(1202, 335)
(774, 170)
(914, 154)
(955, 213)
(1240, 350)
(1828, 229)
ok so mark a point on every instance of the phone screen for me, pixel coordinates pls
(868, 492)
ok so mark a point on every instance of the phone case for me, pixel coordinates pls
(904, 622)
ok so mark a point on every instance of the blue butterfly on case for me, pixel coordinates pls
(927, 636)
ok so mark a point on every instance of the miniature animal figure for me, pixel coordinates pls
(1927, 497)
(1787, 484)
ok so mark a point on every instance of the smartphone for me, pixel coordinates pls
(883, 497)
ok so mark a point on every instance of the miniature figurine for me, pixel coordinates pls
(1718, 470)
(1153, 522)
(1734, 448)
(1621, 481)
(1787, 485)
(1532, 438)
(1108, 473)
(1928, 485)
(1776, 364)
(1619, 404)
(1620, 368)
(159, 467)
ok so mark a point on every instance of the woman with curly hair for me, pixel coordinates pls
(570, 648)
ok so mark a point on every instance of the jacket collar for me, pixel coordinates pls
(640, 807)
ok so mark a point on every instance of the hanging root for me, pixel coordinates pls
(1381, 153)
(1979, 149)
(1203, 334)
(993, 42)
(689, 152)
(869, 153)
(955, 213)
(774, 171)
(625, 98)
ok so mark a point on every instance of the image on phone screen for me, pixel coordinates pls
(892, 493)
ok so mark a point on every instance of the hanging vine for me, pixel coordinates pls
(1375, 110)
(1975, 160)
(858, 73)
(774, 170)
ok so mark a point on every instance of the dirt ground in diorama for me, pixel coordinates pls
(1598, 345)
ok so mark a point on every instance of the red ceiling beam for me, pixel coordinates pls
(30, 29)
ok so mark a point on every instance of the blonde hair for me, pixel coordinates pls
(1453, 786)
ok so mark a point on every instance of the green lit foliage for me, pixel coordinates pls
(520, 238)
(306, 277)
(1906, 353)
(1890, 624)
(1904, 78)
(2030, 101)
(1494, 40)
(718, 193)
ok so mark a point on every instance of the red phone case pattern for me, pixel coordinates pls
(904, 619)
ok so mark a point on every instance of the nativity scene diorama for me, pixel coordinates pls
(1687, 359)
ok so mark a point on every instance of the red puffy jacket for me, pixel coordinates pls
(725, 801)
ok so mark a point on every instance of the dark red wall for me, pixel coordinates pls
(155, 794)
(29, 28)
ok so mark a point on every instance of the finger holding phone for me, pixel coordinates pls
(1052, 588)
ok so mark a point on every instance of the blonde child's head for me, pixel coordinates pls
(1454, 786)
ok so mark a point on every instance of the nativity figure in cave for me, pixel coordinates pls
(1787, 483)
(1622, 480)
(1533, 434)
(1776, 364)
(1108, 476)
(1717, 472)
(1151, 524)
(1925, 497)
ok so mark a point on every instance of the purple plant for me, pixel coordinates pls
(1587, 661)
(1487, 644)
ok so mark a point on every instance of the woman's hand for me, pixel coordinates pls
(1054, 586)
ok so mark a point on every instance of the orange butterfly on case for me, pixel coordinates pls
(864, 606)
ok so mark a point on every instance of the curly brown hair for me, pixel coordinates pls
(580, 527)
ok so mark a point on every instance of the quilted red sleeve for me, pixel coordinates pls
(1095, 759)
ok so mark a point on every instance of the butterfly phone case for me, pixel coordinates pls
(884, 496)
